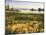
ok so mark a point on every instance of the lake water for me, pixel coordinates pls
(28, 11)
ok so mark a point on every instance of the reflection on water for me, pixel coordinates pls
(28, 11)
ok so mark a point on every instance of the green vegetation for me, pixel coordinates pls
(23, 22)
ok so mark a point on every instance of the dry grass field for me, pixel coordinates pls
(24, 23)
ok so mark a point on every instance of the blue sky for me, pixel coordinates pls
(24, 4)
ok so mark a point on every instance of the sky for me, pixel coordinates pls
(18, 4)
